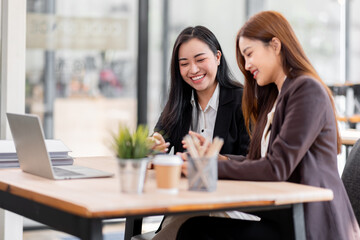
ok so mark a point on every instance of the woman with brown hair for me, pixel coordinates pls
(290, 114)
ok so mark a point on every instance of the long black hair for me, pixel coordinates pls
(177, 112)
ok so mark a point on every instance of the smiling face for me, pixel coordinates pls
(198, 65)
(263, 60)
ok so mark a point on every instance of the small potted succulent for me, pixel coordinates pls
(132, 151)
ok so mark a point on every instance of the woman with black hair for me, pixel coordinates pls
(204, 97)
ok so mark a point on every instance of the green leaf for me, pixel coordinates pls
(132, 145)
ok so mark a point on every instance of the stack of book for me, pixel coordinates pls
(58, 152)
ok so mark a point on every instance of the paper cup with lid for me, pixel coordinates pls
(168, 173)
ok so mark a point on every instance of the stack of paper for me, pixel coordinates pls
(58, 151)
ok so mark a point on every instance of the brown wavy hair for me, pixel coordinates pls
(258, 100)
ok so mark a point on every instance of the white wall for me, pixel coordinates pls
(12, 96)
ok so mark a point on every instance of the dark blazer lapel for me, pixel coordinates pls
(223, 118)
(279, 113)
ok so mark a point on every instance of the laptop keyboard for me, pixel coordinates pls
(64, 173)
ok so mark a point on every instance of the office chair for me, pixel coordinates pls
(351, 178)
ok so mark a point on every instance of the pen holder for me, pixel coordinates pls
(202, 173)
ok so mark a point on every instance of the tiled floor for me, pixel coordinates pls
(149, 224)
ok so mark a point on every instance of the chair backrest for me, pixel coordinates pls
(351, 178)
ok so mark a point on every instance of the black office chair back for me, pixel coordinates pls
(351, 178)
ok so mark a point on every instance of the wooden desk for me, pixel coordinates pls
(79, 206)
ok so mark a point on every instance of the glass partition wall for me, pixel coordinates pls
(354, 39)
(80, 70)
(317, 25)
(81, 56)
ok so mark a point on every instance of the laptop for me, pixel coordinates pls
(33, 156)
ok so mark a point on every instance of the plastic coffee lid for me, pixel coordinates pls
(165, 159)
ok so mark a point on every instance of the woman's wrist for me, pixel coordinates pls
(223, 157)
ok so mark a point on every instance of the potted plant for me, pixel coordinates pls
(132, 151)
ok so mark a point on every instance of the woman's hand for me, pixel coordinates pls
(201, 139)
(222, 157)
(159, 143)
(201, 144)
(184, 166)
(198, 136)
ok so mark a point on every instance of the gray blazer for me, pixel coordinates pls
(302, 149)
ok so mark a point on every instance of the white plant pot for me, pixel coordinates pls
(132, 174)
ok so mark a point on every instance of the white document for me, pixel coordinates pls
(54, 147)
(58, 151)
